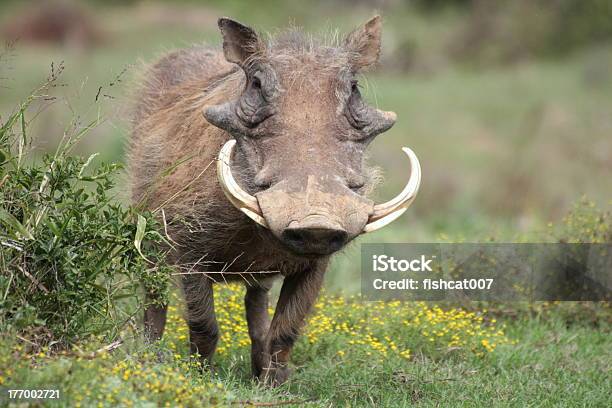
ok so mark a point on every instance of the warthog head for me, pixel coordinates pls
(300, 129)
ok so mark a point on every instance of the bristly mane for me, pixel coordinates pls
(293, 47)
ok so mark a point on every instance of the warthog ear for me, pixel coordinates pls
(239, 41)
(364, 44)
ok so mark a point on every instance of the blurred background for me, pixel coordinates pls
(508, 103)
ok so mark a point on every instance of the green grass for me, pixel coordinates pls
(542, 355)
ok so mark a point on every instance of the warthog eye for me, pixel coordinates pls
(357, 185)
(357, 110)
(253, 106)
(364, 118)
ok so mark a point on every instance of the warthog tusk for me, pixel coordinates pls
(382, 215)
(235, 194)
(388, 212)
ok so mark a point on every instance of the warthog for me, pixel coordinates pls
(283, 124)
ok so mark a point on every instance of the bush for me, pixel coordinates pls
(72, 260)
(585, 223)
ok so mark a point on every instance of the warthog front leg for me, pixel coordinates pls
(154, 319)
(256, 304)
(203, 329)
(298, 294)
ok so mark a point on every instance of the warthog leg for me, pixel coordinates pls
(256, 305)
(298, 294)
(203, 329)
(154, 319)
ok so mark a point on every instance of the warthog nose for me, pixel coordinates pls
(314, 240)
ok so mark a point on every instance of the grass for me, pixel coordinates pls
(353, 353)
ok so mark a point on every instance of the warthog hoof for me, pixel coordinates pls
(274, 376)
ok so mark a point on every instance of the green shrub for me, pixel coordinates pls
(585, 223)
(72, 259)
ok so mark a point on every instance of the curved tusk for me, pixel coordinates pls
(388, 212)
(234, 193)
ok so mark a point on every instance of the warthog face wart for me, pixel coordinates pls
(301, 129)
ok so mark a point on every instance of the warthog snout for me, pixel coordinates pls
(315, 235)
(313, 210)
(313, 215)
